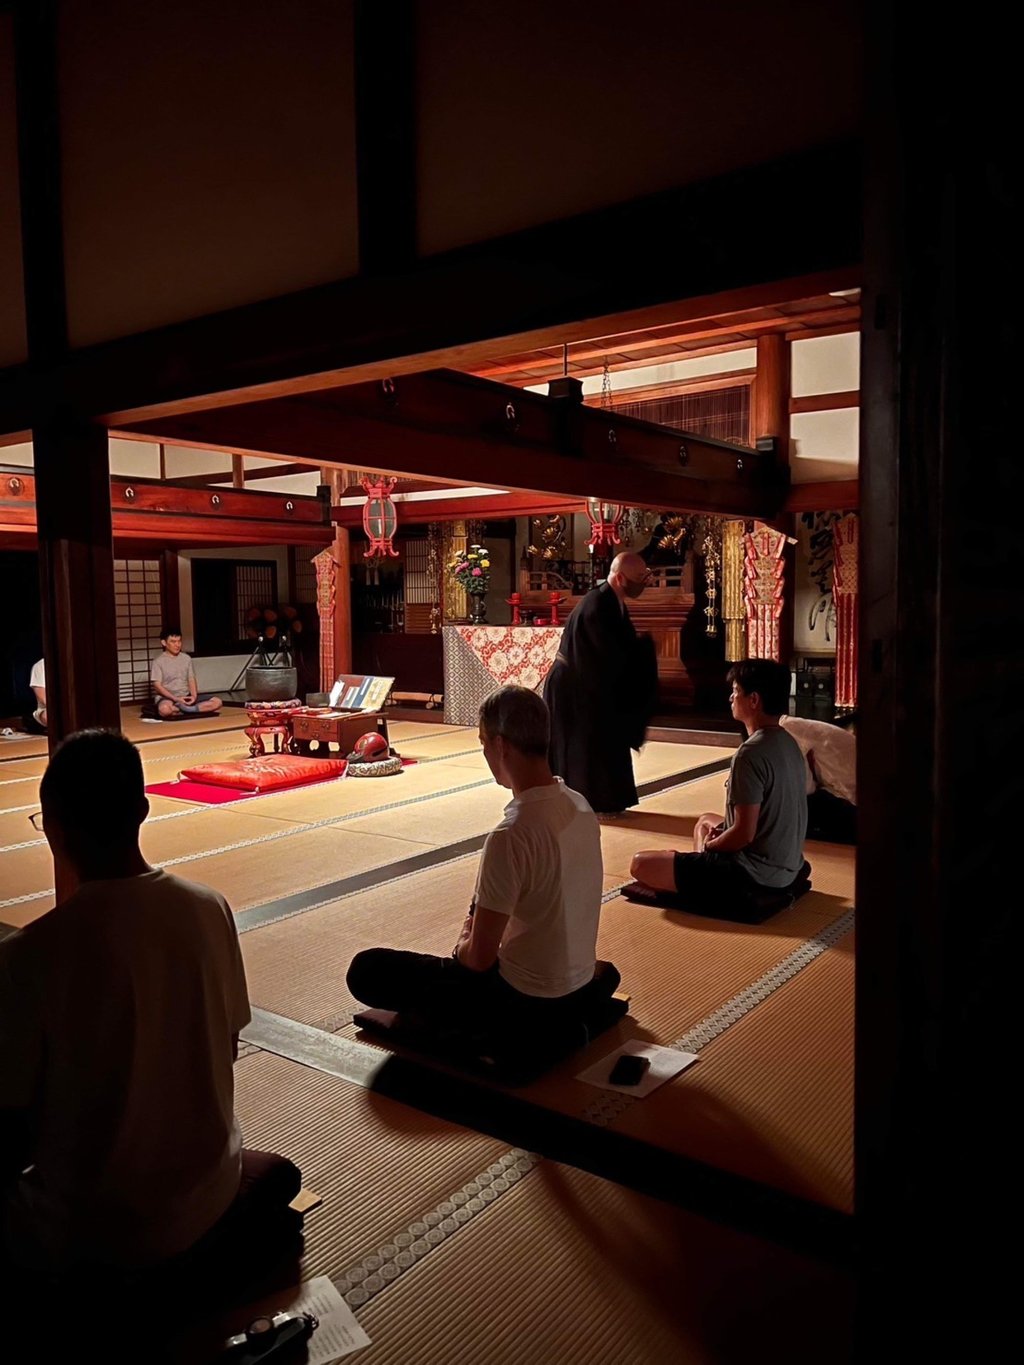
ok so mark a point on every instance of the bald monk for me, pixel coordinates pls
(601, 691)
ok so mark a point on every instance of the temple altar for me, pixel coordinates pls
(480, 659)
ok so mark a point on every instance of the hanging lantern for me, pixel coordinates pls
(380, 518)
(605, 519)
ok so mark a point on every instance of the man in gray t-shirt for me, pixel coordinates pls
(758, 844)
(174, 681)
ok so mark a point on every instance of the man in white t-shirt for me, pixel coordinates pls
(37, 682)
(120, 1011)
(527, 950)
(830, 755)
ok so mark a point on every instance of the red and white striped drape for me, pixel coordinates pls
(764, 586)
(846, 534)
(326, 575)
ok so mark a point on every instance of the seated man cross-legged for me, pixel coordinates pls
(120, 1011)
(522, 979)
(175, 691)
(752, 857)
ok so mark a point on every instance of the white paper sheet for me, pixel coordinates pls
(666, 1062)
(338, 1334)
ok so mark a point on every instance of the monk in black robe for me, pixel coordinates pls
(601, 691)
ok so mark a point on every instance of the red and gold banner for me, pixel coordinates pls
(845, 593)
(326, 577)
(763, 590)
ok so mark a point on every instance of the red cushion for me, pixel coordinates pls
(267, 774)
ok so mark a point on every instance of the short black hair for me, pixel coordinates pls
(520, 716)
(166, 631)
(93, 785)
(770, 680)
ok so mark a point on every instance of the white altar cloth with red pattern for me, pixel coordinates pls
(480, 659)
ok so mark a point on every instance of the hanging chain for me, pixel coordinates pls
(606, 386)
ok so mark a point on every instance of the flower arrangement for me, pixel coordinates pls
(274, 629)
(472, 570)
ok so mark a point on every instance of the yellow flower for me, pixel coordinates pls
(485, 563)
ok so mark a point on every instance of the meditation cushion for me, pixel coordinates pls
(384, 767)
(753, 909)
(272, 772)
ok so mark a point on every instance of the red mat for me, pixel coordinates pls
(200, 793)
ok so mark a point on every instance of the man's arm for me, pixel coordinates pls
(40, 697)
(480, 939)
(739, 834)
(193, 689)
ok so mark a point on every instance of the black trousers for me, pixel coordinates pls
(439, 992)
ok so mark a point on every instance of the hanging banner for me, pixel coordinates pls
(763, 592)
(845, 592)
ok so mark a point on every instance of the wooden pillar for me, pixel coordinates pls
(770, 420)
(76, 561)
(237, 472)
(170, 591)
(342, 552)
(76, 571)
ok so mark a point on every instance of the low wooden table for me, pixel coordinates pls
(314, 734)
(257, 732)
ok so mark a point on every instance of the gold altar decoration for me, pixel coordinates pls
(456, 603)
(435, 549)
(326, 580)
(675, 533)
(845, 586)
(711, 549)
(551, 537)
(763, 572)
(734, 610)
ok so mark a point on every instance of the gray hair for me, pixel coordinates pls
(518, 716)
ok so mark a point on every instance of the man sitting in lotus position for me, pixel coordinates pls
(175, 691)
(758, 844)
(526, 953)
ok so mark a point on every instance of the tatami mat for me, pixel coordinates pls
(377, 1164)
(296, 967)
(567, 1267)
(772, 1098)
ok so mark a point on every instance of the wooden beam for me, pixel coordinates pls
(741, 329)
(144, 509)
(496, 507)
(545, 285)
(237, 472)
(842, 495)
(279, 470)
(825, 402)
(457, 427)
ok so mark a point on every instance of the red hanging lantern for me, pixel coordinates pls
(605, 520)
(380, 518)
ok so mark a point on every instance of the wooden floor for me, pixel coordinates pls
(556, 1222)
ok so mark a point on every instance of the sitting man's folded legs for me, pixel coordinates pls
(655, 868)
(526, 955)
